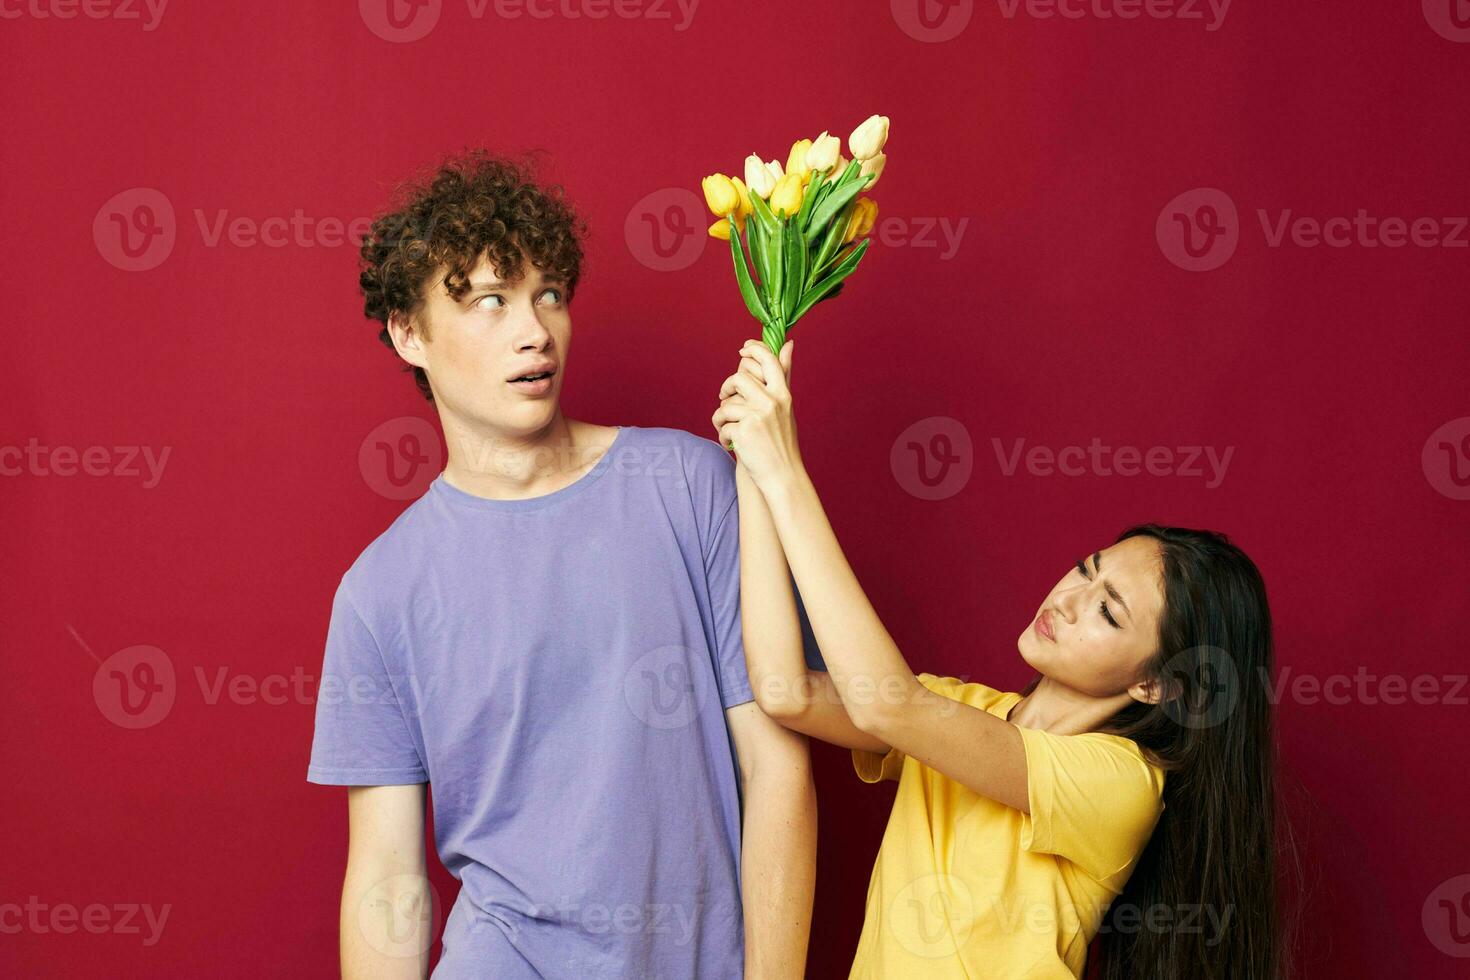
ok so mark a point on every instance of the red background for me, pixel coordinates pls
(1059, 319)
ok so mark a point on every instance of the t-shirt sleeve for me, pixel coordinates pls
(362, 737)
(809, 648)
(874, 767)
(722, 572)
(1093, 799)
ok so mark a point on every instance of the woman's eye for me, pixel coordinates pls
(1083, 569)
(1109, 616)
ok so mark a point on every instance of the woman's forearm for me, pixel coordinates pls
(866, 666)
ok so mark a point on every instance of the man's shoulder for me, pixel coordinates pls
(381, 566)
(680, 440)
(704, 462)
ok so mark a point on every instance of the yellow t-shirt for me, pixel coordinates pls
(965, 887)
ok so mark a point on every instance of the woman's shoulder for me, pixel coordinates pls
(969, 692)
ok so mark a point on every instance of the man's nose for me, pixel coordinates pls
(531, 333)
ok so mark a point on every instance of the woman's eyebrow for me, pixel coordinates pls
(1112, 592)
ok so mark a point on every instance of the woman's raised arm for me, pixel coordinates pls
(801, 699)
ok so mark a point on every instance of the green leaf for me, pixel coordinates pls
(828, 287)
(834, 203)
(816, 190)
(742, 275)
(763, 212)
(777, 262)
(794, 274)
(831, 245)
(755, 240)
(833, 294)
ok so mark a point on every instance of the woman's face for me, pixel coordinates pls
(1100, 623)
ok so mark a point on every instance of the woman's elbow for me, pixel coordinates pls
(871, 719)
(780, 700)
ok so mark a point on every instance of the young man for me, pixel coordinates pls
(550, 636)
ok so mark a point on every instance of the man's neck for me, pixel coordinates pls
(504, 466)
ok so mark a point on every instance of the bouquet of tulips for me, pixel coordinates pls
(808, 216)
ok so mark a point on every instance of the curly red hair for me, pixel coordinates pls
(476, 204)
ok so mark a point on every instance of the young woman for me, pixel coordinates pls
(1132, 777)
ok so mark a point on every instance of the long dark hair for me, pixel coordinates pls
(1212, 859)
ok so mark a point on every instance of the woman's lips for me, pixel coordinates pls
(1043, 626)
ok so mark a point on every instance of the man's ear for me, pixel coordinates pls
(408, 339)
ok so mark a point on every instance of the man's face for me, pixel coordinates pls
(476, 347)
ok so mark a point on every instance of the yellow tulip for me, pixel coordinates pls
(824, 152)
(868, 139)
(720, 194)
(757, 178)
(874, 165)
(864, 213)
(787, 195)
(746, 208)
(796, 159)
(721, 230)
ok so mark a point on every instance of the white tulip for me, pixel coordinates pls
(874, 165)
(758, 178)
(824, 152)
(868, 139)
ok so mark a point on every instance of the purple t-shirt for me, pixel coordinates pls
(558, 668)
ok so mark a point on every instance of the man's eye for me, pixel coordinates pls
(556, 291)
(482, 299)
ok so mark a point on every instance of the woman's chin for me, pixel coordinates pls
(1030, 650)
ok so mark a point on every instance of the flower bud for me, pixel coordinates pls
(868, 139)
